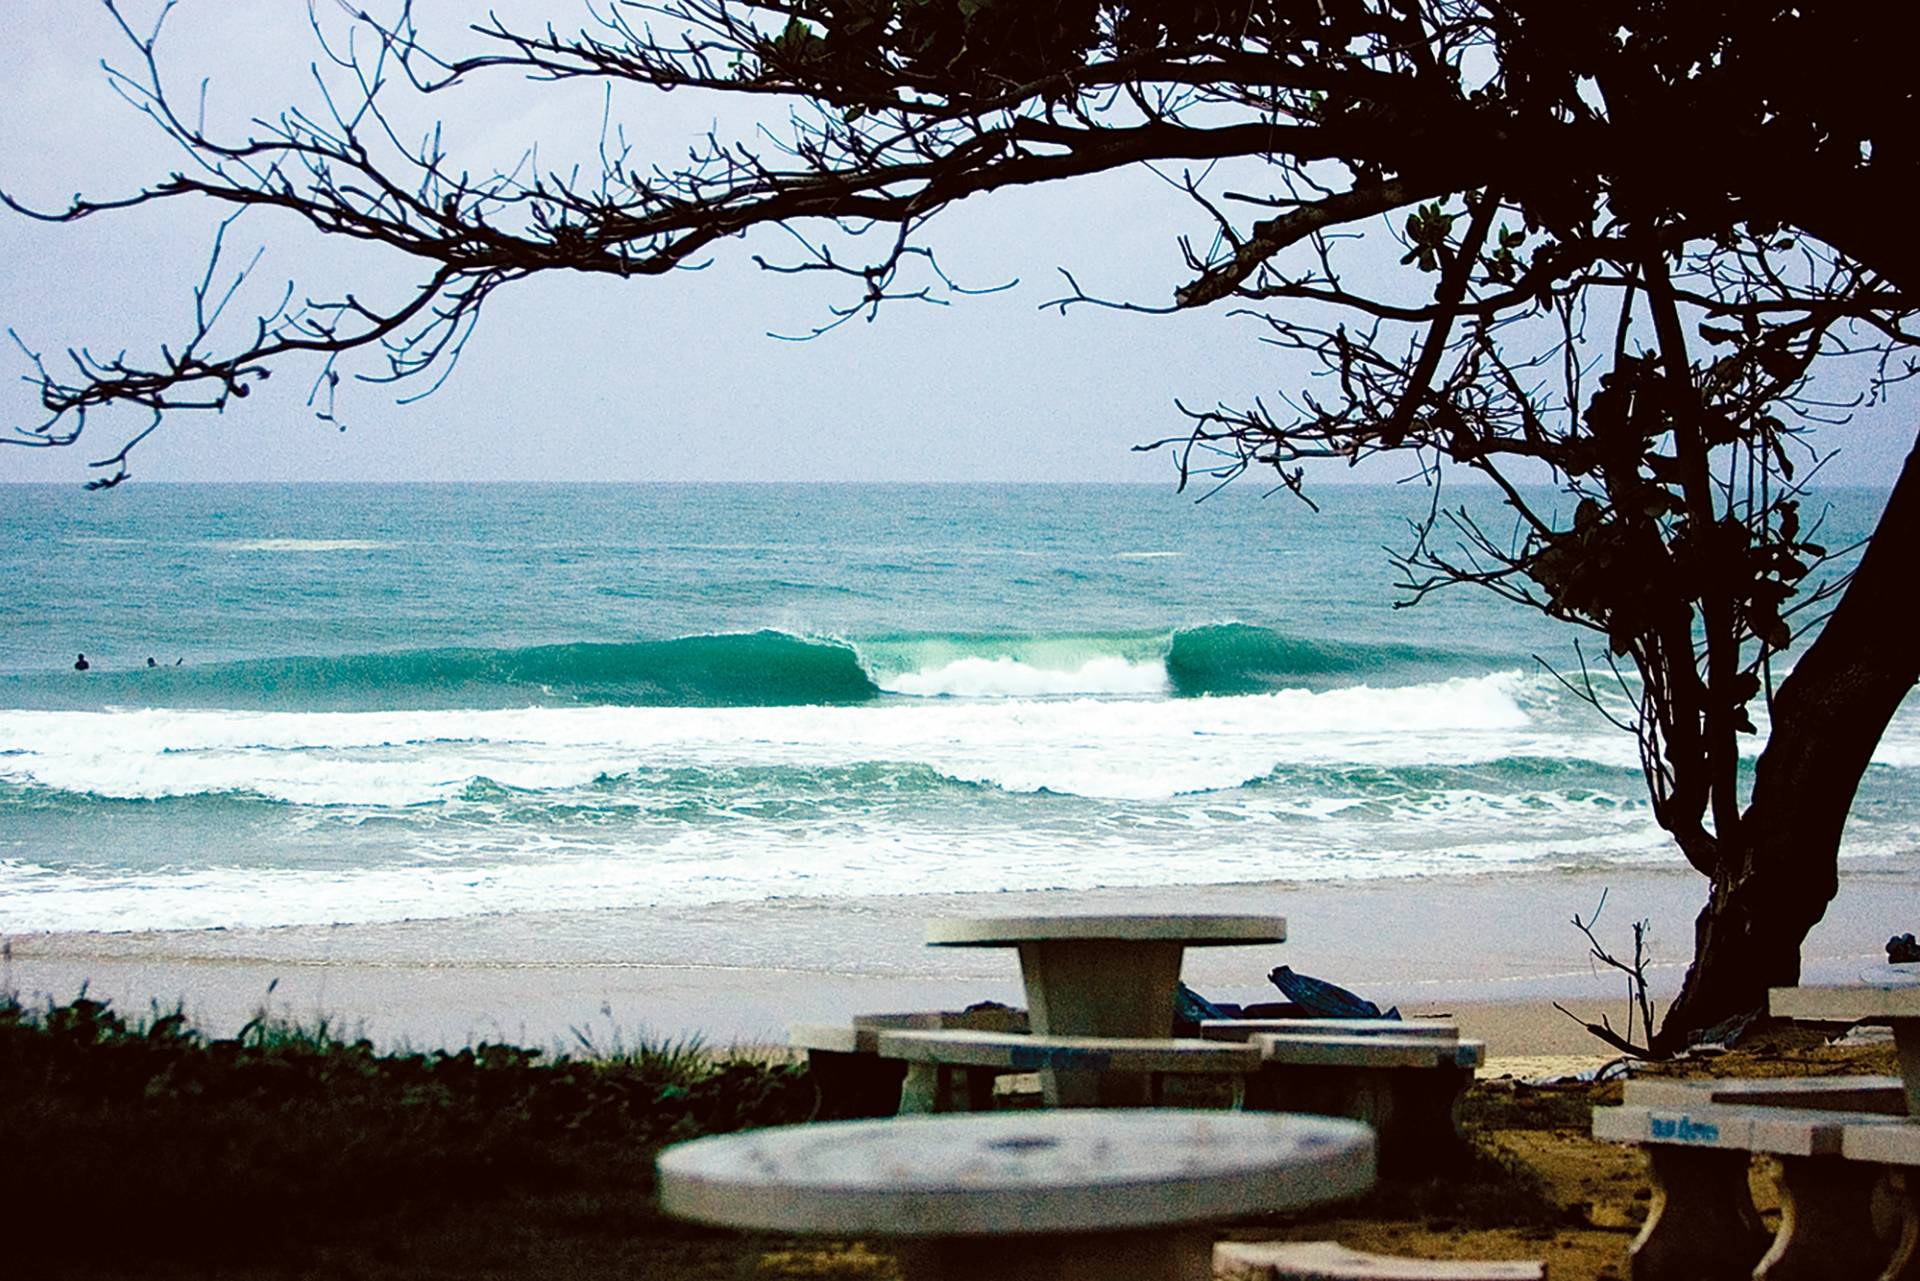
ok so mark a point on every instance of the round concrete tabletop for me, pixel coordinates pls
(1905, 974)
(1001, 1173)
(1196, 930)
(1885, 991)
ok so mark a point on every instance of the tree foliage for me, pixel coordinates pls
(1642, 243)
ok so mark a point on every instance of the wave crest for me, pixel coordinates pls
(761, 669)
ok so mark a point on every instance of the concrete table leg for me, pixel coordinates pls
(1905, 1264)
(854, 1085)
(1906, 1039)
(1425, 1132)
(1099, 987)
(1414, 1111)
(945, 1087)
(921, 1090)
(1826, 1222)
(1702, 1225)
(1169, 1254)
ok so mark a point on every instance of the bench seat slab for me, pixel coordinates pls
(1015, 1053)
(1370, 1051)
(1242, 1029)
(1331, 1261)
(1884, 1094)
(1778, 1131)
(951, 1070)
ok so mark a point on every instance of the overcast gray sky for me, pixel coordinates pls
(572, 378)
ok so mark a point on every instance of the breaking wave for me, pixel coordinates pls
(761, 669)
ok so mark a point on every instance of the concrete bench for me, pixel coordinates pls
(850, 1076)
(1702, 1225)
(1879, 1094)
(1331, 1261)
(1246, 1029)
(953, 1071)
(1408, 1088)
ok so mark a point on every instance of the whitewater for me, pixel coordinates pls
(376, 704)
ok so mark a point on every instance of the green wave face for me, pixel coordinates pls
(1239, 658)
(756, 669)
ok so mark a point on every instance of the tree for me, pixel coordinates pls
(1644, 167)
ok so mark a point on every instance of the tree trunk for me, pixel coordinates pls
(1774, 880)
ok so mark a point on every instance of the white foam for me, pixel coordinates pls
(1131, 749)
(705, 866)
(300, 545)
(1011, 678)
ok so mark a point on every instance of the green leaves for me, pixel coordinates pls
(1503, 264)
(1427, 232)
(798, 42)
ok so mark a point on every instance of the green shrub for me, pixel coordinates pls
(144, 1141)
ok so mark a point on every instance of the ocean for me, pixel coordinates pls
(382, 703)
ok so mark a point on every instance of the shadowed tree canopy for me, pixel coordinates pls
(1641, 244)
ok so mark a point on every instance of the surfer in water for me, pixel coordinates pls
(80, 663)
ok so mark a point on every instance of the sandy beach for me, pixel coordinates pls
(1493, 950)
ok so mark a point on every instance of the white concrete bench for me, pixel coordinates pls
(1331, 1261)
(1409, 1088)
(848, 1072)
(1702, 1225)
(1370, 1052)
(950, 1071)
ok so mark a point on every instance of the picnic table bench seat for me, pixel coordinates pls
(851, 1078)
(1702, 1225)
(1369, 1052)
(954, 1070)
(1408, 1087)
(1889, 994)
(1880, 1094)
(1331, 1261)
(1246, 1029)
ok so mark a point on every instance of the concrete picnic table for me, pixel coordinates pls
(1112, 975)
(1890, 992)
(1086, 1195)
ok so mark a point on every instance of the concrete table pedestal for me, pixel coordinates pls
(1087, 1195)
(1165, 1254)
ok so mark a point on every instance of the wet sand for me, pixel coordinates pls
(1493, 950)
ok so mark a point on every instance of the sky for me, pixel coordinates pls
(570, 378)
